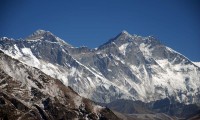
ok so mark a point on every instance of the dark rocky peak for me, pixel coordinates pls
(121, 38)
(42, 35)
(124, 36)
(45, 36)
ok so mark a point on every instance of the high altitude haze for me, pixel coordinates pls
(91, 23)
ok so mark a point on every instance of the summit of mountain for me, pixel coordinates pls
(42, 35)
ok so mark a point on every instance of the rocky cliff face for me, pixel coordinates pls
(126, 67)
(26, 93)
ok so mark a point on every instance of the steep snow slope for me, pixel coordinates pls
(28, 93)
(126, 67)
(197, 63)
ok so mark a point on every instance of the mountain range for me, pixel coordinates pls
(127, 67)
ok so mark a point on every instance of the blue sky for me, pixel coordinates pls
(176, 23)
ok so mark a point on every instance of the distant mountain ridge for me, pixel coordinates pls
(126, 67)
